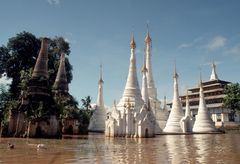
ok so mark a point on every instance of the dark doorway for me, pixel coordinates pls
(146, 132)
(38, 132)
(70, 129)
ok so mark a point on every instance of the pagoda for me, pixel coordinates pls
(97, 121)
(176, 113)
(132, 117)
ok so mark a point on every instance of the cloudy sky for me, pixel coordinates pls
(194, 33)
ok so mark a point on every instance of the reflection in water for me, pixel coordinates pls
(216, 148)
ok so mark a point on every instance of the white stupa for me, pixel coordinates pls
(97, 121)
(176, 113)
(132, 92)
(203, 122)
(187, 121)
(152, 90)
(132, 117)
(214, 73)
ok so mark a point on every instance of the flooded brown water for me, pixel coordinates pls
(208, 148)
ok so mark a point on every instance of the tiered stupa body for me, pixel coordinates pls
(203, 122)
(147, 120)
(176, 113)
(61, 85)
(126, 118)
(152, 90)
(38, 85)
(97, 121)
(187, 121)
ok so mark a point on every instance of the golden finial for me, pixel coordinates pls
(132, 43)
(148, 38)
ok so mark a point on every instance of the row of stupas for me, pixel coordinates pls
(180, 123)
(132, 94)
(138, 113)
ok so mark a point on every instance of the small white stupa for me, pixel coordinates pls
(97, 121)
(176, 113)
(187, 121)
(162, 114)
(214, 73)
(203, 122)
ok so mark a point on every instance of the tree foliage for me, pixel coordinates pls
(20, 54)
(232, 98)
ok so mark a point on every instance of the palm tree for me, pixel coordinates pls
(86, 103)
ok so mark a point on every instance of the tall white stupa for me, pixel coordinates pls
(97, 121)
(132, 92)
(152, 90)
(132, 117)
(203, 122)
(176, 113)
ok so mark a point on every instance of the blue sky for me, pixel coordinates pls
(192, 32)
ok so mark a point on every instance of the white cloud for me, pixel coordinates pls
(185, 45)
(234, 50)
(53, 2)
(190, 44)
(216, 42)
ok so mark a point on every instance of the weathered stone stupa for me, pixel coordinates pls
(203, 122)
(36, 100)
(187, 121)
(176, 113)
(97, 121)
(61, 84)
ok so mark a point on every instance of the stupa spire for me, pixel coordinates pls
(151, 86)
(144, 83)
(214, 73)
(61, 84)
(176, 113)
(100, 101)
(203, 122)
(132, 89)
(187, 109)
(41, 66)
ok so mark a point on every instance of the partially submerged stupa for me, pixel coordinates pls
(35, 101)
(132, 117)
(203, 123)
(176, 113)
(97, 121)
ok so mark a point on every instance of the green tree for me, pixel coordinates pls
(86, 103)
(85, 111)
(4, 97)
(20, 54)
(232, 98)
